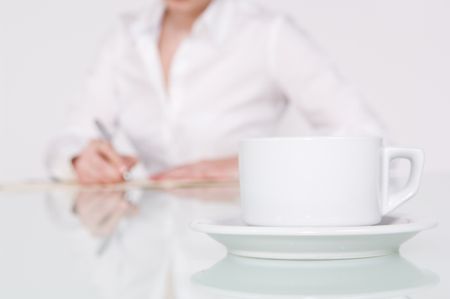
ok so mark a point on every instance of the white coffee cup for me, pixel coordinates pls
(321, 181)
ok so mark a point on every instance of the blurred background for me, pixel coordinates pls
(397, 53)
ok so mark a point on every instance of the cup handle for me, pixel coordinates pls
(416, 160)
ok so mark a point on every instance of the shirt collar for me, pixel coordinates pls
(213, 23)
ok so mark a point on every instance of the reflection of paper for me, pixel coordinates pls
(141, 184)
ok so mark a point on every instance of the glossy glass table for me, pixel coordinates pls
(138, 244)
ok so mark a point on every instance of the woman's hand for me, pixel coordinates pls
(211, 170)
(99, 163)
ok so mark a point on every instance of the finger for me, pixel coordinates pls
(87, 174)
(129, 161)
(87, 167)
(177, 173)
(195, 171)
(199, 173)
(108, 152)
(216, 175)
(105, 172)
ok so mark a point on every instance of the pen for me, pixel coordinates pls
(107, 136)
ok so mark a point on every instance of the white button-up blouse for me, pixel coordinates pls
(233, 77)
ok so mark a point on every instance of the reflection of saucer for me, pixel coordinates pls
(379, 277)
(312, 242)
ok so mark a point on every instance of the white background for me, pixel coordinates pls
(397, 52)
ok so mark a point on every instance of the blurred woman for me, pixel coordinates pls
(186, 80)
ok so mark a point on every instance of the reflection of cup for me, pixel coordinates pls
(381, 277)
(321, 181)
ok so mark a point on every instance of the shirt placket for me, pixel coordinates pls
(173, 101)
(147, 45)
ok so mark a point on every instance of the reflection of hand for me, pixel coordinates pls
(101, 211)
(100, 163)
(212, 170)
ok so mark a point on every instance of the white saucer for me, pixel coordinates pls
(312, 243)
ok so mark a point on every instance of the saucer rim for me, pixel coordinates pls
(210, 226)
